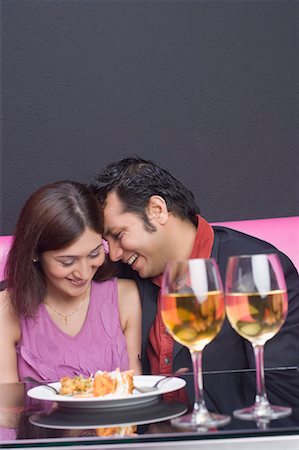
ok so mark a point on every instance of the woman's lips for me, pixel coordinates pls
(77, 283)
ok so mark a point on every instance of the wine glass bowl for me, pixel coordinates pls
(193, 319)
(256, 306)
(193, 310)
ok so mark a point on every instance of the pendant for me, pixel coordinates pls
(66, 320)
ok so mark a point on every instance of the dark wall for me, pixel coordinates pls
(207, 88)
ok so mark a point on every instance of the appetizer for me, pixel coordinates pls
(103, 383)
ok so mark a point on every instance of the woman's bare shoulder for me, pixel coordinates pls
(128, 300)
(125, 282)
(8, 319)
(127, 288)
(5, 304)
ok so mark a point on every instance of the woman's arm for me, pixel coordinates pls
(130, 319)
(9, 336)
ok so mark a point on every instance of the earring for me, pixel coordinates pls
(35, 260)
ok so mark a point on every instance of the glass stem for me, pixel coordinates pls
(199, 403)
(261, 396)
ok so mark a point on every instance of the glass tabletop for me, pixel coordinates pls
(26, 421)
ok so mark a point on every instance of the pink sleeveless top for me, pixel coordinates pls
(46, 352)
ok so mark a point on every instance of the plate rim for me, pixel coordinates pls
(136, 397)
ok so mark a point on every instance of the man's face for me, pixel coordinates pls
(130, 242)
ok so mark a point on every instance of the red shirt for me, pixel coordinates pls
(160, 347)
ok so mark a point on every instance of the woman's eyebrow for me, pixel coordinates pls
(97, 248)
(75, 256)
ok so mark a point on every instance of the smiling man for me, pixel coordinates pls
(151, 218)
(146, 246)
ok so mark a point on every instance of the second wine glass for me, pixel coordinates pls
(193, 311)
(256, 306)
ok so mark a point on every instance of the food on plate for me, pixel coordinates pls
(117, 382)
(77, 385)
(103, 383)
(119, 431)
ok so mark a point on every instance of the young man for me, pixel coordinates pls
(151, 218)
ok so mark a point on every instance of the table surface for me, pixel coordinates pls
(25, 422)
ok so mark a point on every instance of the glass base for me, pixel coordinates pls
(264, 412)
(200, 421)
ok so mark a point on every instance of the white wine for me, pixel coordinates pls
(192, 322)
(257, 316)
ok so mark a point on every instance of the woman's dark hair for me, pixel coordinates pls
(135, 180)
(52, 218)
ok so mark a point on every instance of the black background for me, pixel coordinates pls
(209, 89)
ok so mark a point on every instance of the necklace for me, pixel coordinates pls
(66, 316)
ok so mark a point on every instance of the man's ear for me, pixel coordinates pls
(157, 209)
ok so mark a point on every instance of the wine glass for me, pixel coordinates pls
(256, 306)
(193, 310)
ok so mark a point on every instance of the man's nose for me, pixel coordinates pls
(115, 251)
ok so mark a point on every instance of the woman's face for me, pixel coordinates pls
(69, 271)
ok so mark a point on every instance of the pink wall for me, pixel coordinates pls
(282, 232)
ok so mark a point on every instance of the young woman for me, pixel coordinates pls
(61, 312)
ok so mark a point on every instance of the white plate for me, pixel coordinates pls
(110, 400)
(74, 419)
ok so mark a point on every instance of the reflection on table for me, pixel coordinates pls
(24, 418)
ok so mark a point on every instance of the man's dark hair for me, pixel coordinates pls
(135, 180)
